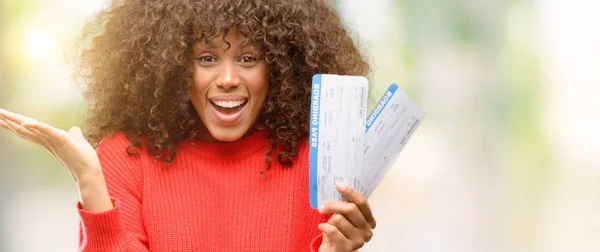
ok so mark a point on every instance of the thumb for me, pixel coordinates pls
(75, 133)
(77, 136)
(327, 240)
(326, 243)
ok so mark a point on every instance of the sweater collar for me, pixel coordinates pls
(249, 144)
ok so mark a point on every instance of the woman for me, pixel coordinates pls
(197, 128)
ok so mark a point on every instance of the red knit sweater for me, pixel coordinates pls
(211, 198)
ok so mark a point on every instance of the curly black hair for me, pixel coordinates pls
(136, 74)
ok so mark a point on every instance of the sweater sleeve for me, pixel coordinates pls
(315, 244)
(121, 228)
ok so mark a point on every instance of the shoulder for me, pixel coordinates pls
(304, 144)
(120, 169)
(303, 150)
(115, 140)
(115, 148)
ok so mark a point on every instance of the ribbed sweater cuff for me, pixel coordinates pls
(316, 243)
(103, 230)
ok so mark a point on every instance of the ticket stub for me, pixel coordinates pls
(337, 135)
(388, 129)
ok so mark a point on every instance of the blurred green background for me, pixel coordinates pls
(508, 158)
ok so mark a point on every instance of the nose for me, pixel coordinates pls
(228, 76)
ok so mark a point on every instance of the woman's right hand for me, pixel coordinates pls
(71, 149)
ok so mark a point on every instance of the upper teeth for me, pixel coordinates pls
(229, 104)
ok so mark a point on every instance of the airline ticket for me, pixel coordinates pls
(389, 127)
(346, 148)
(337, 135)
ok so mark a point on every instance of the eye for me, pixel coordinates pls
(207, 59)
(248, 59)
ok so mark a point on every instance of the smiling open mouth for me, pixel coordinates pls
(229, 107)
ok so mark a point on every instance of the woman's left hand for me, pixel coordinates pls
(351, 225)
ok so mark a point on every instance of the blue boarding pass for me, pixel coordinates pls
(337, 135)
(389, 128)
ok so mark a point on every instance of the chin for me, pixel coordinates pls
(227, 134)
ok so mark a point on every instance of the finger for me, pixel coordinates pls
(76, 134)
(54, 136)
(13, 122)
(336, 236)
(349, 210)
(357, 198)
(344, 225)
(5, 126)
(21, 131)
(9, 116)
(3, 112)
(34, 138)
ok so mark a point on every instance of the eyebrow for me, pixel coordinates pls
(247, 43)
(211, 44)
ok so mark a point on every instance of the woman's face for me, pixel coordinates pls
(230, 86)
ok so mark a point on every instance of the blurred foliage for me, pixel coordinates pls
(22, 77)
(12, 10)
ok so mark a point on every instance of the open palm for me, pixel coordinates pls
(69, 148)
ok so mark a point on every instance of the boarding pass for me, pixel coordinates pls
(349, 148)
(388, 129)
(337, 135)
